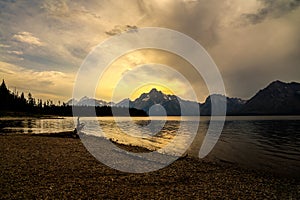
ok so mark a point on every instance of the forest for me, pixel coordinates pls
(11, 103)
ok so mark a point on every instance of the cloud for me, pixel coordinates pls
(16, 52)
(63, 8)
(269, 46)
(66, 31)
(56, 7)
(118, 29)
(28, 38)
(148, 75)
(42, 84)
(125, 68)
(271, 8)
(4, 46)
(250, 57)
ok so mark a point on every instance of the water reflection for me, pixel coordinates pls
(35, 126)
(271, 145)
(149, 135)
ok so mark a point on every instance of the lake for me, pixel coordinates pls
(270, 143)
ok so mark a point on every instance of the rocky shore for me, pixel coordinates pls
(60, 167)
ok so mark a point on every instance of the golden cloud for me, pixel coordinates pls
(28, 38)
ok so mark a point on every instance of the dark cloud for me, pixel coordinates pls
(118, 29)
(198, 19)
(4, 3)
(78, 52)
(271, 8)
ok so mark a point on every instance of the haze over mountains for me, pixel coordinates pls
(278, 98)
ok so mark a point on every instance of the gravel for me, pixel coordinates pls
(34, 167)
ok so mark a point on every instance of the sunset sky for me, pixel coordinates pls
(44, 42)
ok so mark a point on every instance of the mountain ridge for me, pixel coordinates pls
(277, 98)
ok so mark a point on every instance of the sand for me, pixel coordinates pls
(36, 167)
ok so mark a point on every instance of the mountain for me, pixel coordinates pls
(171, 103)
(233, 105)
(146, 100)
(125, 103)
(86, 101)
(277, 98)
(72, 102)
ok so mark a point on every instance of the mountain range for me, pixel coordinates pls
(278, 98)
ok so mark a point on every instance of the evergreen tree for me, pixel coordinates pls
(4, 96)
(22, 102)
(3, 88)
(30, 100)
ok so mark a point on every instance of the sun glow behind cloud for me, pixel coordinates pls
(140, 71)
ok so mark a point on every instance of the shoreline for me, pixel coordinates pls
(60, 167)
(140, 149)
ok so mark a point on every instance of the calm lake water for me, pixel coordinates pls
(269, 143)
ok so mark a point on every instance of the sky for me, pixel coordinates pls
(44, 42)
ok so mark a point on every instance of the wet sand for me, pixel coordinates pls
(37, 167)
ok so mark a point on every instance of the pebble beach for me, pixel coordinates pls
(59, 167)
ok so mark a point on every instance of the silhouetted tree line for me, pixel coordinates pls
(13, 102)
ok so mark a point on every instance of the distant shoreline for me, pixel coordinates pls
(45, 116)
